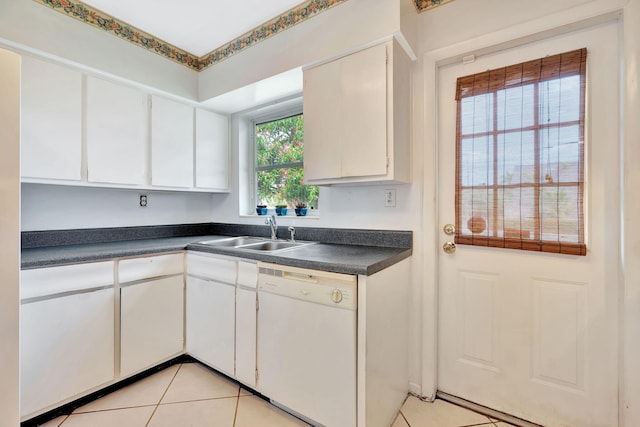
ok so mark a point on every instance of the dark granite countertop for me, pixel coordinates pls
(342, 251)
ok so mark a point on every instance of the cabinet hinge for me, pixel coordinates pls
(257, 376)
(257, 303)
(386, 57)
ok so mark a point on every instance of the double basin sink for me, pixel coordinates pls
(254, 244)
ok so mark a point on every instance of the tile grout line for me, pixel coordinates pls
(163, 395)
(235, 415)
(404, 418)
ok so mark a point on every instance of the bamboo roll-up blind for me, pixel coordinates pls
(520, 155)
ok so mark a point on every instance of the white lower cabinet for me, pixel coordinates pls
(246, 326)
(66, 333)
(210, 323)
(151, 311)
(221, 314)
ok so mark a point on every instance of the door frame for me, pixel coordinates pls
(579, 17)
(10, 63)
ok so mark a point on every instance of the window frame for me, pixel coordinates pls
(489, 85)
(272, 113)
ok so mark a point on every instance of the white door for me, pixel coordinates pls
(212, 150)
(151, 323)
(527, 333)
(246, 330)
(172, 128)
(66, 347)
(211, 322)
(117, 133)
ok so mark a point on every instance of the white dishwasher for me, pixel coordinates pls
(307, 342)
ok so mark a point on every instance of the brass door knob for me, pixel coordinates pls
(449, 247)
(449, 229)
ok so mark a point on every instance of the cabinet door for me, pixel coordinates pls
(51, 121)
(151, 323)
(322, 122)
(345, 114)
(66, 347)
(211, 323)
(171, 143)
(246, 304)
(117, 133)
(212, 150)
(363, 86)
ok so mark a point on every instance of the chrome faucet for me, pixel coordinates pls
(271, 221)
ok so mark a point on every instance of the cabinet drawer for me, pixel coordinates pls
(130, 270)
(41, 282)
(220, 270)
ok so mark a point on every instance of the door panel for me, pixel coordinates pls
(211, 323)
(152, 327)
(534, 334)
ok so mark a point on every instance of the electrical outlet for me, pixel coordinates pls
(390, 198)
(143, 200)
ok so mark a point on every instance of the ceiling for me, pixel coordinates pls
(196, 26)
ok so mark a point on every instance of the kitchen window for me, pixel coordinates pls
(279, 161)
(520, 156)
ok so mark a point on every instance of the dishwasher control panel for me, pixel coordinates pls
(321, 287)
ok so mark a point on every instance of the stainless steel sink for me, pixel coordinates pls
(272, 245)
(233, 242)
(254, 244)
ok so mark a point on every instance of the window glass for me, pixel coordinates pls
(520, 156)
(279, 164)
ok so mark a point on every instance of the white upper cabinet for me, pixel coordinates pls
(117, 133)
(78, 129)
(171, 143)
(212, 150)
(51, 122)
(356, 114)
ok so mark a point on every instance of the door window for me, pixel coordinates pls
(520, 156)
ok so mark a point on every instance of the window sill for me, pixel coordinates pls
(294, 216)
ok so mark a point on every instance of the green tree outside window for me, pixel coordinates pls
(279, 164)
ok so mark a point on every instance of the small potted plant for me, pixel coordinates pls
(301, 209)
(261, 209)
(281, 210)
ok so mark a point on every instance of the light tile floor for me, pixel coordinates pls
(191, 395)
(416, 413)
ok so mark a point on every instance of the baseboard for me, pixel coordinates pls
(415, 389)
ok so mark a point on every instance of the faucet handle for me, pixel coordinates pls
(292, 230)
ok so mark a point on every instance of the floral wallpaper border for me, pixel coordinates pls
(423, 5)
(285, 21)
(103, 21)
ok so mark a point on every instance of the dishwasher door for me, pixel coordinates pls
(307, 343)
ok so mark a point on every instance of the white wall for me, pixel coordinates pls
(464, 20)
(9, 236)
(54, 207)
(348, 25)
